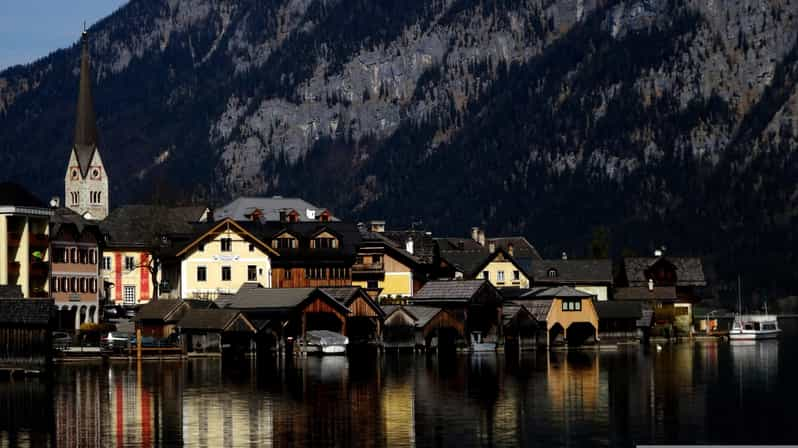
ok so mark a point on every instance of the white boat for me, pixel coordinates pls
(478, 344)
(324, 342)
(753, 327)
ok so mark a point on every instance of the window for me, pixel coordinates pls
(106, 263)
(500, 276)
(284, 242)
(130, 295)
(251, 247)
(73, 284)
(552, 273)
(83, 256)
(359, 259)
(92, 256)
(486, 275)
(372, 284)
(516, 276)
(54, 286)
(95, 197)
(82, 285)
(130, 264)
(572, 305)
(201, 248)
(376, 259)
(325, 243)
(202, 273)
(73, 255)
(63, 284)
(226, 273)
(227, 244)
(287, 274)
(93, 285)
(252, 273)
(75, 196)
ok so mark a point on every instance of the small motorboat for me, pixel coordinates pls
(478, 344)
(754, 327)
(324, 342)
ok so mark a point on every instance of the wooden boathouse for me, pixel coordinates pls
(25, 333)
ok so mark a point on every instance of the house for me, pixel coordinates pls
(476, 303)
(24, 241)
(272, 209)
(619, 320)
(75, 282)
(387, 269)
(25, 331)
(364, 322)
(420, 327)
(160, 318)
(221, 259)
(671, 286)
(281, 315)
(311, 254)
(520, 326)
(590, 275)
(565, 315)
(139, 246)
(208, 330)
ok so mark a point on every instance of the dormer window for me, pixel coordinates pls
(324, 243)
(227, 244)
(552, 273)
(285, 241)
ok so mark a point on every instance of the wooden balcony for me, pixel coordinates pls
(367, 268)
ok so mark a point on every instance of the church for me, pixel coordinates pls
(86, 181)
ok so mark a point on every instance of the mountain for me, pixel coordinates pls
(640, 123)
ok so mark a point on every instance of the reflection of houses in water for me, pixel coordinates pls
(398, 414)
(25, 417)
(758, 360)
(573, 383)
(216, 417)
(80, 407)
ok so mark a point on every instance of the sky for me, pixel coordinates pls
(32, 29)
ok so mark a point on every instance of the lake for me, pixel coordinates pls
(686, 393)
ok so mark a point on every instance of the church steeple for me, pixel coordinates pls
(86, 181)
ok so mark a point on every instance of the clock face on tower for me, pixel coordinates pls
(95, 173)
(74, 173)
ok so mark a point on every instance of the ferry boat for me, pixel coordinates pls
(751, 327)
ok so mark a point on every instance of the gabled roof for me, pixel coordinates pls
(451, 290)
(421, 315)
(466, 261)
(391, 247)
(538, 308)
(573, 271)
(164, 310)
(35, 312)
(521, 247)
(347, 233)
(507, 257)
(252, 296)
(347, 294)
(13, 194)
(227, 224)
(212, 320)
(689, 270)
(423, 243)
(511, 312)
(242, 208)
(556, 292)
(142, 225)
(64, 217)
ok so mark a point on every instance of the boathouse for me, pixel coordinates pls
(620, 321)
(364, 322)
(25, 332)
(520, 326)
(159, 318)
(475, 303)
(420, 327)
(565, 315)
(209, 330)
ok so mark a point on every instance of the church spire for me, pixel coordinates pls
(86, 125)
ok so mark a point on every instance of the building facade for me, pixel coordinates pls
(86, 180)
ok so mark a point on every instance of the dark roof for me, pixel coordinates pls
(242, 208)
(618, 310)
(390, 246)
(10, 292)
(161, 310)
(85, 123)
(343, 294)
(512, 292)
(348, 234)
(255, 296)
(460, 244)
(573, 271)
(521, 247)
(556, 292)
(523, 267)
(16, 195)
(63, 217)
(423, 243)
(420, 314)
(37, 312)
(449, 290)
(689, 270)
(539, 308)
(667, 293)
(466, 261)
(511, 310)
(207, 319)
(144, 224)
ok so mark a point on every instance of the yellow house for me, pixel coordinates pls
(569, 314)
(502, 270)
(221, 260)
(385, 270)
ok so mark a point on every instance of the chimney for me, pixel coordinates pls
(492, 247)
(409, 245)
(510, 249)
(475, 234)
(55, 202)
(377, 226)
(658, 253)
(481, 237)
(564, 256)
(282, 216)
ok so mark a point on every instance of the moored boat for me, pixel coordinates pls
(324, 342)
(753, 327)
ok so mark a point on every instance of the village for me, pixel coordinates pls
(265, 275)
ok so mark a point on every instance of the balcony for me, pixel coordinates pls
(367, 268)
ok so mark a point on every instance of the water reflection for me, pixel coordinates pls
(702, 393)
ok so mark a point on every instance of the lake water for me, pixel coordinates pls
(686, 393)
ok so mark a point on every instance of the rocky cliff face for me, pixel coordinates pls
(667, 121)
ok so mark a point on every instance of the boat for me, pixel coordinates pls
(324, 342)
(753, 327)
(478, 344)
